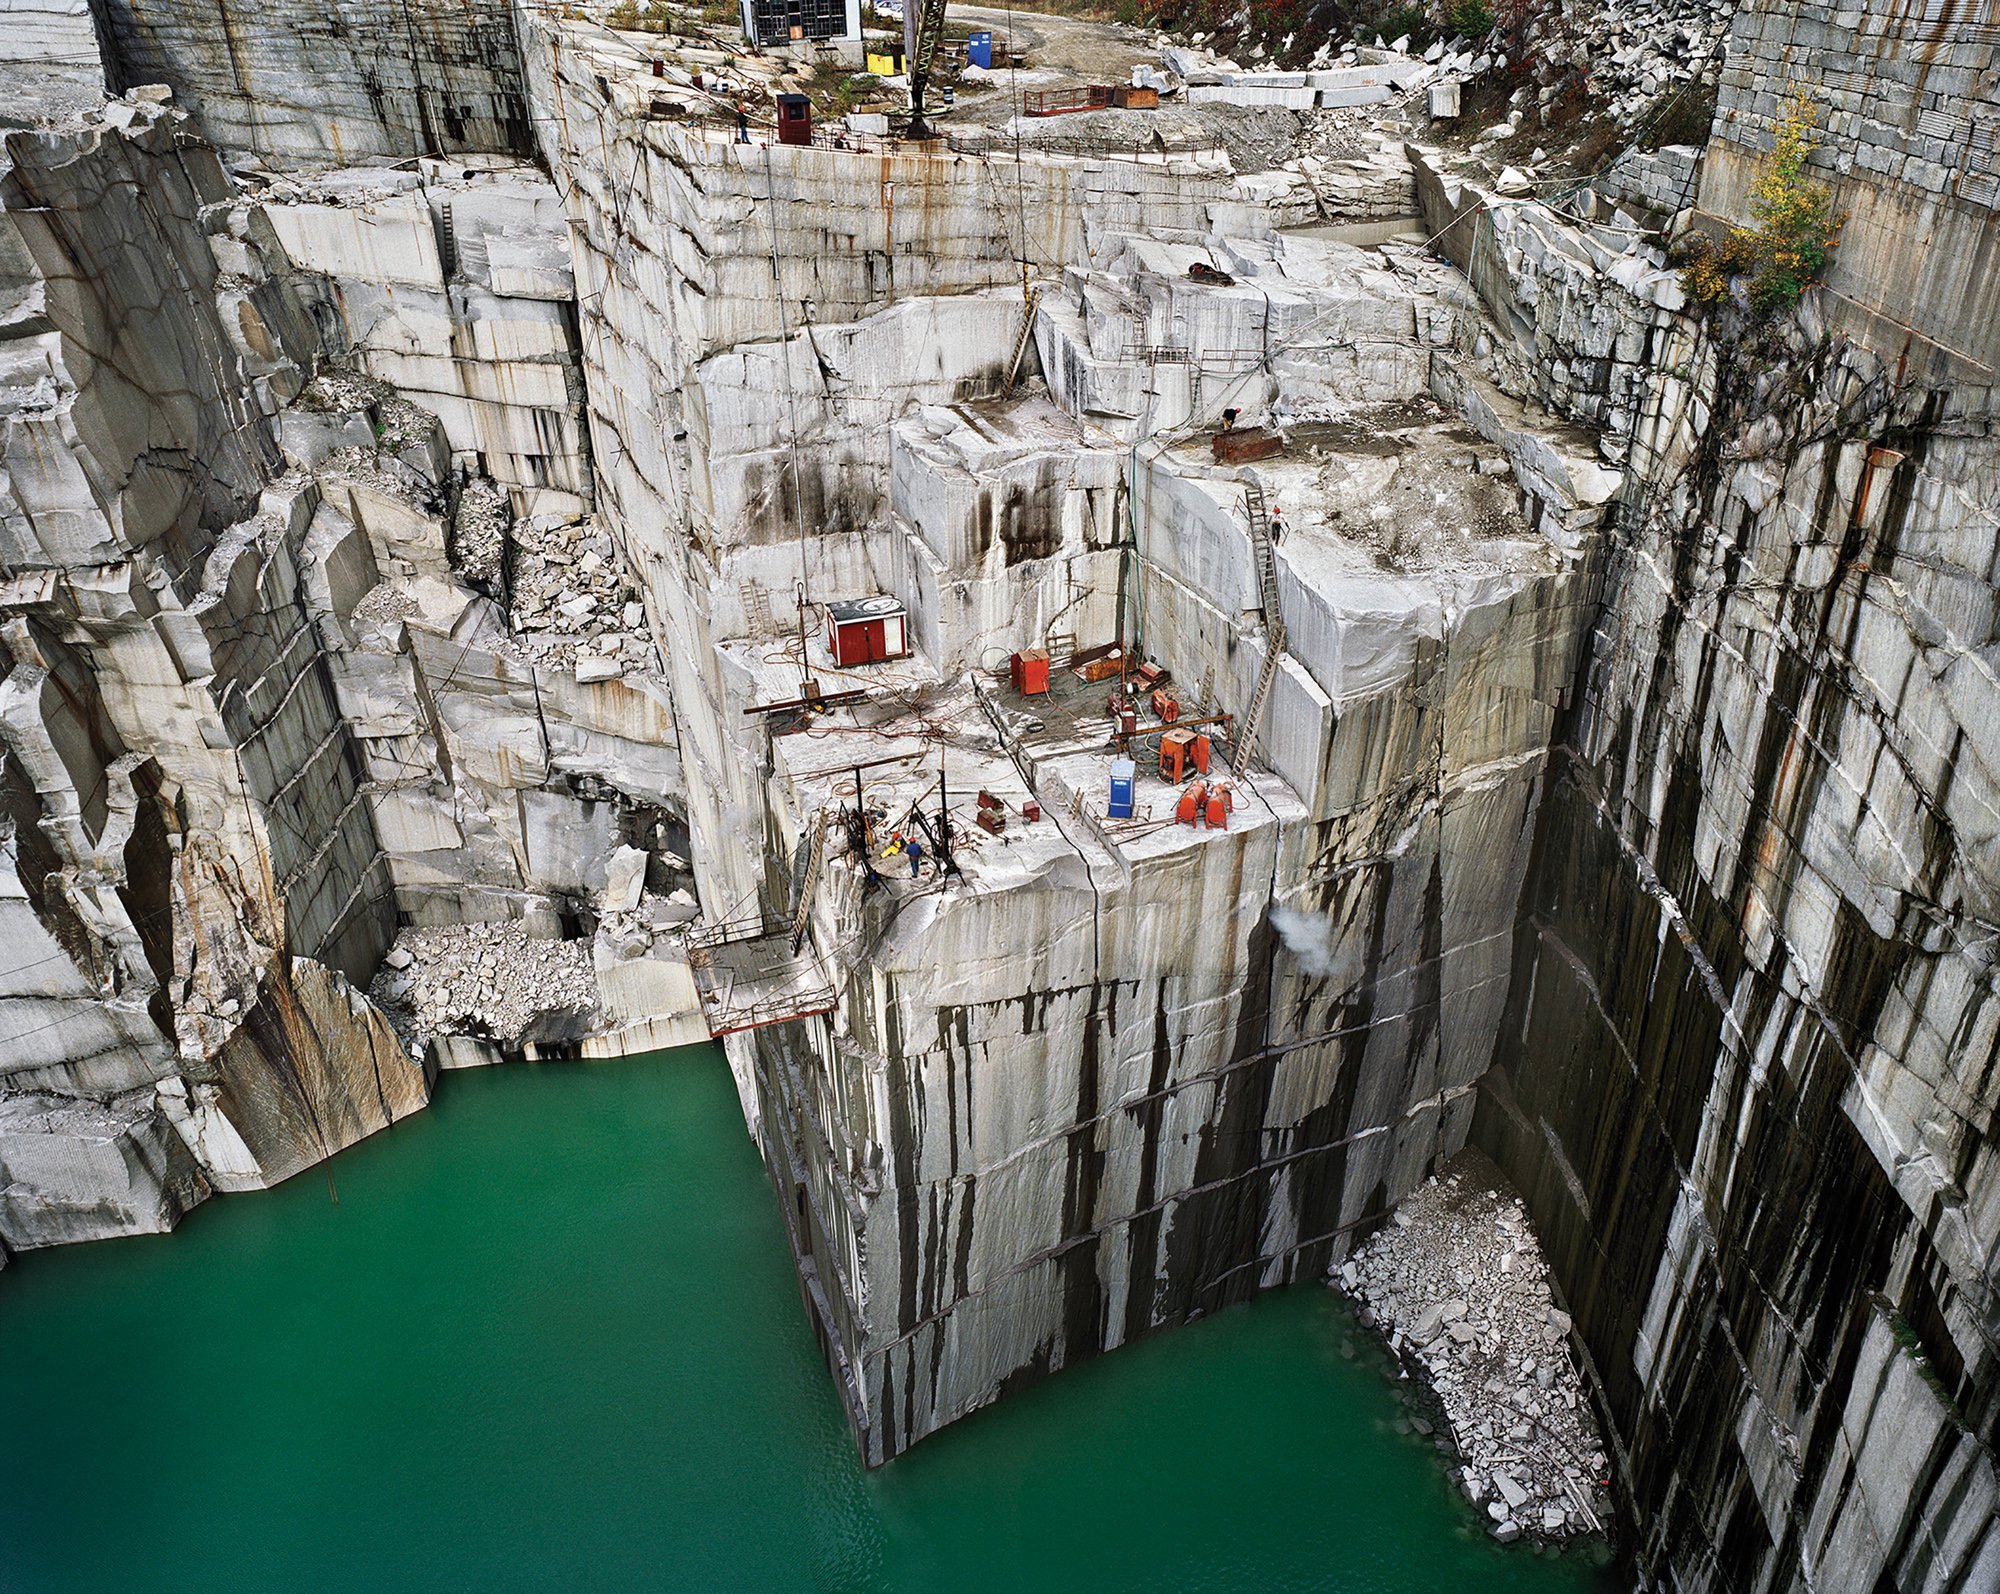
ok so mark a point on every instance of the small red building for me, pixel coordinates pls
(795, 119)
(864, 630)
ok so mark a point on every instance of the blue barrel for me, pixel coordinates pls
(979, 49)
(1123, 771)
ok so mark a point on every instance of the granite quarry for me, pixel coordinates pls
(496, 561)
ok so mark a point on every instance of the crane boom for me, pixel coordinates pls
(923, 27)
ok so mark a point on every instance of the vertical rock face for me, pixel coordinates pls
(452, 285)
(1746, 1071)
(261, 693)
(1748, 1062)
(330, 82)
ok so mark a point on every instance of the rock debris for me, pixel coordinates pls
(491, 980)
(1457, 1283)
(572, 604)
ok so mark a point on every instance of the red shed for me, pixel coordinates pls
(795, 119)
(863, 630)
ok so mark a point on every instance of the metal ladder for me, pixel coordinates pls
(447, 240)
(1244, 745)
(1260, 547)
(808, 881)
(1028, 303)
(756, 609)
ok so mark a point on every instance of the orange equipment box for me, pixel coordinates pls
(1031, 671)
(1244, 444)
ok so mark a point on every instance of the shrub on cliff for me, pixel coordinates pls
(1794, 234)
(1471, 19)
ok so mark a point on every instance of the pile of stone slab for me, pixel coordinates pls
(573, 606)
(490, 980)
(1457, 1284)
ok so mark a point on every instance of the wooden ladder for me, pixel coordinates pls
(1028, 303)
(756, 609)
(1244, 745)
(808, 881)
(1261, 550)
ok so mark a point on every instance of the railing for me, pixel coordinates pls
(752, 927)
(1059, 102)
(727, 1017)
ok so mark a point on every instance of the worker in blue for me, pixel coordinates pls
(915, 849)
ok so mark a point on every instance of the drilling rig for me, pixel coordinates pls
(923, 28)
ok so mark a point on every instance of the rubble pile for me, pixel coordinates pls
(572, 605)
(490, 980)
(1456, 1282)
(1637, 50)
(397, 423)
(479, 533)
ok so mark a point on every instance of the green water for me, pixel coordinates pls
(549, 1339)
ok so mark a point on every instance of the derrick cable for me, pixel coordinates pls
(1020, 182)
(791, 395)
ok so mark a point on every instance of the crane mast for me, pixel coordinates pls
(923, 28)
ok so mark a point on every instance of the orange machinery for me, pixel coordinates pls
(1030, 668)
(1206, 802)
(1181, 751)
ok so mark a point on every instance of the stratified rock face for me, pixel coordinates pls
(330, 82)
(76, 1168)
(1904, 95)
(250, 711)
(452, 285)
(1747, 1078)
(189, 853)
(1746, 1074)
(135, 372)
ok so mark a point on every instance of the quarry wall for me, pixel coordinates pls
(330, 82)
(257, 711)
(1751, 1023)
(1649, 843)
(1910, 142)
(1095, 1094)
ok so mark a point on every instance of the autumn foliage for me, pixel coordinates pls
(1794, 231)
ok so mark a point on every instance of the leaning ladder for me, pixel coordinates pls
(1244, 746)
(809, 881)
(1028, 303)
(447, 240)
(1260, 545)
